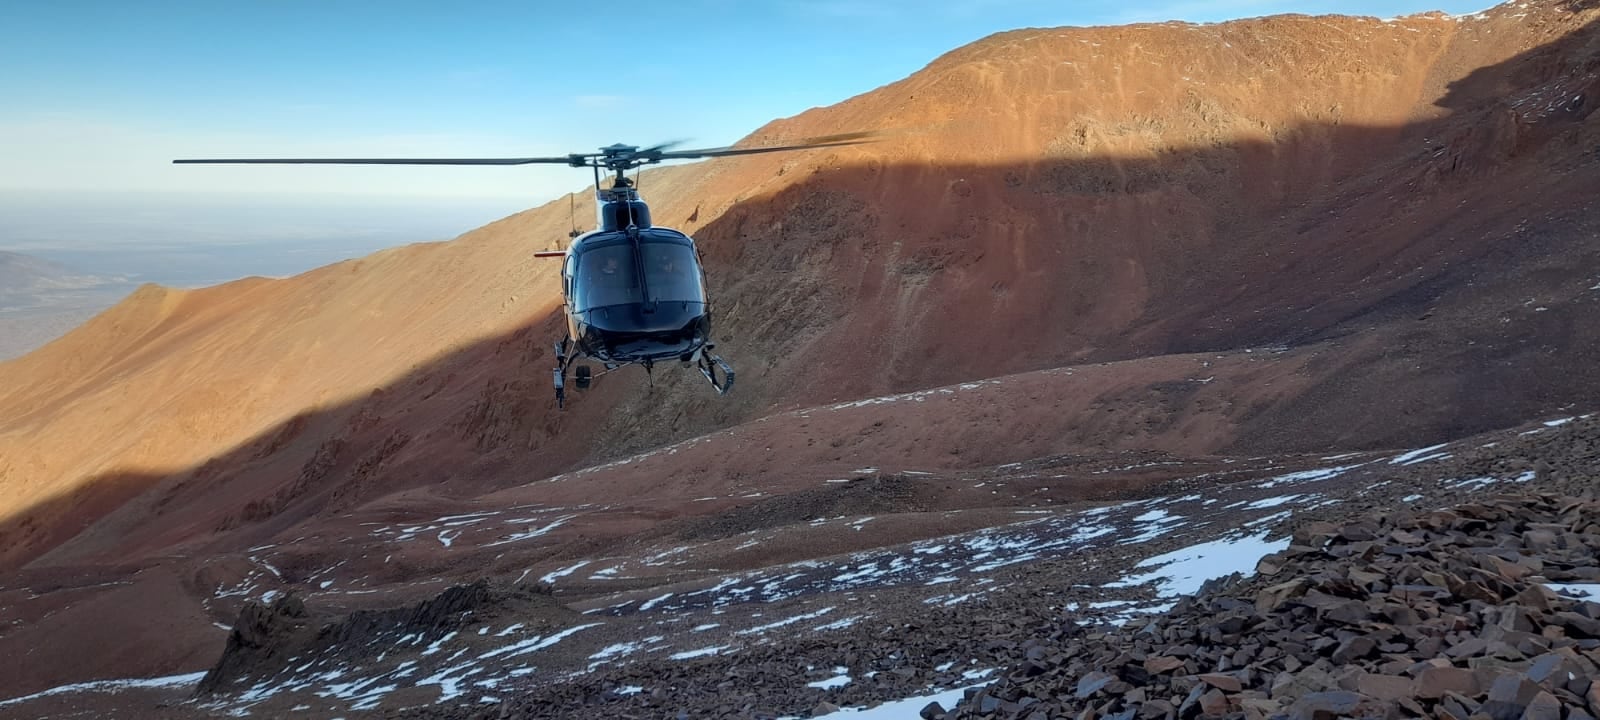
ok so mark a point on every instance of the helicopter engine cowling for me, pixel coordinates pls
(617, 215)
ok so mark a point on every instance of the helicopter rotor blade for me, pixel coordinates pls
(842, 139)
(568, 160)
(608, 157)
(655, 149)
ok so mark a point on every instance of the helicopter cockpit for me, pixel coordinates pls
(608, 273)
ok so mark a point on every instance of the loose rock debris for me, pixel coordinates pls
(1444, 614)
(1462, 613)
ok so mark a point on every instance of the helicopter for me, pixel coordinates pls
(633, 293)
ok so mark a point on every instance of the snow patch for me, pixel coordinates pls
(702, 652)
(551, 577)
(839, 624)
(1588, 591)
(785, 621)
(841, 678)
(654, 602)
(112, 686)
(534, 643)
(1408, 458)
(1274, 501)
(901, 709)
(515, 537)
(1305, 476)
(1183, 571)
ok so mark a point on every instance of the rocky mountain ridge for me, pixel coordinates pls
(1182, 251)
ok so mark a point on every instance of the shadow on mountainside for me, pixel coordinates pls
(1436, 279)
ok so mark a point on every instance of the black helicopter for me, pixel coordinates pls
(635, 293)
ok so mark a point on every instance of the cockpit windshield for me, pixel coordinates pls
(671, 272)
(608, 275)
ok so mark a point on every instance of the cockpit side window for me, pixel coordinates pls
(569, 272)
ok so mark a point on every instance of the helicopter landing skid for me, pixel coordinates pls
(562, 361)
(712, 366)
(709, 365)
(584, 377)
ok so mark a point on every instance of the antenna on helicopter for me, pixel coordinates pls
(572, 214)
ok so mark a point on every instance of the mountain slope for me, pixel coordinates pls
(1278, 235)
(1060, 196)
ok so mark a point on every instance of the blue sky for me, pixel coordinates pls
(100, 95)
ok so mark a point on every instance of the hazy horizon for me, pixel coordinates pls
(198, 239)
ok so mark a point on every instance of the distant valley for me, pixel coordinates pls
(41, 300)
(64, 257)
